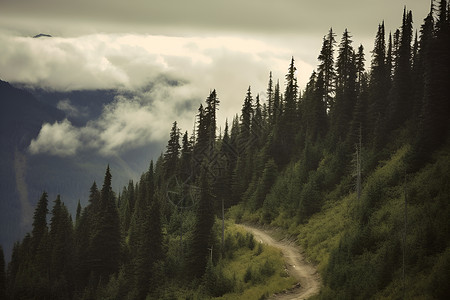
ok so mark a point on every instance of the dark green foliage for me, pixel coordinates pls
(82, 239)
(212, 105)
(202, 231)
(435, 65)
(61, 256)
(186, 157)
(173, 151)
(40, 221)
(380, 82)
(326, 70)
(78, 215)
(270, 100)
(400, 105)
(206, 130)
(265, 183)
(149, 240)
(285, 131)
(215, 281)
(345, 84)
(105, 239)
(440, 276)
(246, 121)
(277, 105)
(126, 207)
(313, 107)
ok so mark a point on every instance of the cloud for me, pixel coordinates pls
(129, 122)
(105, 61)
(161, 79)
(71, 110)
(60, 138)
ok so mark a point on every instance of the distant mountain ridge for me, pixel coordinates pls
(21, 118)
(41, 35)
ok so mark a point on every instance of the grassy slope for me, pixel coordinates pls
(358, 246)
(268, 275)
(248, 270)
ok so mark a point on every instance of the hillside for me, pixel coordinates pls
(356, 167)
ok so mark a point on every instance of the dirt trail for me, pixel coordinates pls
(296, 264)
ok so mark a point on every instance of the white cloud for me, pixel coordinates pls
(71, 110)
(125, 124)
(60, 138)
(168, 77)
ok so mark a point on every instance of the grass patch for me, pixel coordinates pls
(256, 272)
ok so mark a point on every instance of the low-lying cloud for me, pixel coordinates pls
(161, 79)
(71, 110)
(60, 138)
(125, 124)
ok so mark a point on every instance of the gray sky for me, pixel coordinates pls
(187, 17)
(203, 44)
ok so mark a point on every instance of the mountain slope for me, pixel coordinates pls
(21, 117)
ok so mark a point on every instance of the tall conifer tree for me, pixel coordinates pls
(326, 70)
(345, 84)
(106, 237)
(400, 106)
(204, 222)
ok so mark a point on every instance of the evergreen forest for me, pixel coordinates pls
(355, 168)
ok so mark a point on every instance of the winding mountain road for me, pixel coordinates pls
(296, 264)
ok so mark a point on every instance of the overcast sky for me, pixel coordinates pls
(201, 44)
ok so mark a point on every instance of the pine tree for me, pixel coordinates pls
(315, 110)
(389, 61)
(360, 70)
(270, 99)
(345, 83)
(172, 154)
(212, 104)
(257, 126)
(288, 122)
(204, 221)
(359, 122)
(61, 240)
(146, 236)
(277, 107)
(84, 256)
(326, 71)
(78, 215)
(246, 143)
(12, 272)
(105, 241)
(39, 246)
(400, 106)
(435, 59)
(153, 231)
(380, 82)
(228, 161)
(290, 98)
(127, 207)
(139, 214)
(40, 221)
(202, 148)
(186, 157)
(246, 120)
(268, 178)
